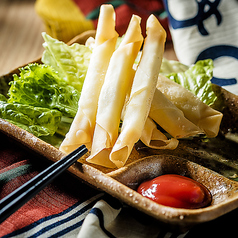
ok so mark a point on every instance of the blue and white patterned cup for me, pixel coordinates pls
(203, 29)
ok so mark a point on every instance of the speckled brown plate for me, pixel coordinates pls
(217, 154)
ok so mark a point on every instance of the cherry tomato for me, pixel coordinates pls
(176, 191)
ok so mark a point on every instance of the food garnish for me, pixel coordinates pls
(38, 85)
(200, 86)
(37, 120)
(70, 62)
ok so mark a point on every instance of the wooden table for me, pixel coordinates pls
(20, 34)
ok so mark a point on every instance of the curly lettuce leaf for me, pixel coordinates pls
(172, 66)
(59, 135)
(38, 85)
(38, 121)
(70, 62)
(197, 79)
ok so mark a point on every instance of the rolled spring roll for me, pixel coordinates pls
(82, 128)
(154, 138)
(170, 118)
(117, 82)
(142, 91)
(205, 117)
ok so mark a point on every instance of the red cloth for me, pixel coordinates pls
(125, 9)
(17, 166)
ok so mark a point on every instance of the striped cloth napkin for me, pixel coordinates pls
(204, 29)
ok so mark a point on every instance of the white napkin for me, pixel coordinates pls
(203, 29)
(108, 218)
(99, 218)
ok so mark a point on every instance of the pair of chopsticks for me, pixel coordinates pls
(13, 201)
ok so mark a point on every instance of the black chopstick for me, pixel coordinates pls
(13, 201)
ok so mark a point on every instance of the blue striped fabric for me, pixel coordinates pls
(99, 215)
(63, 224)
(103, 216)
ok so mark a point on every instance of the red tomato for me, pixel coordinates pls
(176, 191)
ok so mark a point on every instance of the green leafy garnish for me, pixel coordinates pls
(38, 121)
(172, 66)
(70, 62)
(38, 85)
(197, 79)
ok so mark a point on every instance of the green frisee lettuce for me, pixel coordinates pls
(38, 85)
